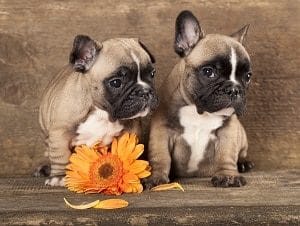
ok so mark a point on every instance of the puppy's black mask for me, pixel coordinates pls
(129, 95)
(215, 86)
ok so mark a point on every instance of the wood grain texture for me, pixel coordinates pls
(36, 37)
(268, 198)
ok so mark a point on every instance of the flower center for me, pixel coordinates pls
(105, 171)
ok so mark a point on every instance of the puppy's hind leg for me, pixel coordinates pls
(59, 154)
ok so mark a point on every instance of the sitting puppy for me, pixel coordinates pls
(104, 90)
(196, 132)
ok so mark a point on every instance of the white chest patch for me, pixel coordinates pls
(97, 127)
(198, 130)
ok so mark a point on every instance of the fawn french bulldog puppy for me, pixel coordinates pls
(196, 132)
(106, 88)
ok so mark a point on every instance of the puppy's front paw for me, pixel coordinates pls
(56, 181)
(245, 166)
(228, 181)
(155, 180)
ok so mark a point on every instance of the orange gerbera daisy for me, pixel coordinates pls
(109, 171)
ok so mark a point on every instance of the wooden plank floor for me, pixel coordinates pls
(269, 198)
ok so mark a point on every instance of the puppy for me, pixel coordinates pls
(195, 131)
(106, 88)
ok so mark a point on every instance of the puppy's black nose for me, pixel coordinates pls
(143, 93)
(233, 91)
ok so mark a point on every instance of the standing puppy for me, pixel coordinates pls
(196, 132)
(104, 90)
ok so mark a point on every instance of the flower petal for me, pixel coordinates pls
(138, 166)
(137, 152)
(83, 206)
(164, 187)
(131, 178)
(114, 146)
(144, 174)
(111, 204)
(84, 155)
(138, 187)
(122, 142)
(128, 188)
(131, 143)
(100, 149)
(78, 165)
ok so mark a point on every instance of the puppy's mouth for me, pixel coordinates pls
(135, 106)
(143, 113)
(215, 103)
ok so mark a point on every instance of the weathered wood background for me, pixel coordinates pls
(36, 37)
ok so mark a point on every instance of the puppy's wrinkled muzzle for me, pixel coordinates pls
(237, 100)
(147, 95)
(139, 101)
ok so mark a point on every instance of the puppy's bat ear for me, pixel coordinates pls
(241, 34)
(147, 51)
(187, 33)
(84, 53)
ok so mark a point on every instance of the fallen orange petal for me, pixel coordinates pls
(164, 187)
(111, 204)
(83, 206)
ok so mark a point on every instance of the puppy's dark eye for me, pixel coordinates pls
(208, 72)
(153, 73)
(116, 83)
(248, 77)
